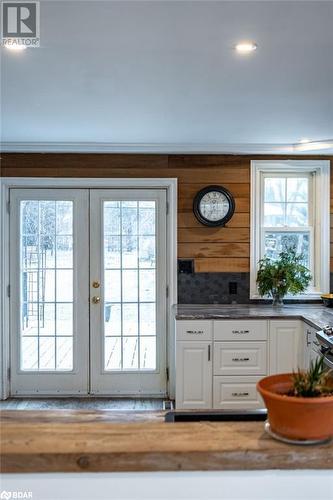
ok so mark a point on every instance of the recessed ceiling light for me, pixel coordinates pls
(246, 47)
(304, 141)
(313, 145)
(16, 47)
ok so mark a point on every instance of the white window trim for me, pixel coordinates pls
(7, 183)
(321, 197)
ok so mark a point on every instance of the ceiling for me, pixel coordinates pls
(163, 76)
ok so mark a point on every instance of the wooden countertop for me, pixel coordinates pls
(76, 441)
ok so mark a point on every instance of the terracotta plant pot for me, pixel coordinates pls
(293, 417)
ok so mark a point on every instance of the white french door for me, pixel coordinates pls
(128, 291)
(49, 259)
(88, 291)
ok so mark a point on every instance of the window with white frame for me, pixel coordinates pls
(290, 208)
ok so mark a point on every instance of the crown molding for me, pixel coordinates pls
(153, 148)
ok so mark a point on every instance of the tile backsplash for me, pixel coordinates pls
(214, 288)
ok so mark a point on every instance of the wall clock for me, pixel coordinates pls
(213, 206)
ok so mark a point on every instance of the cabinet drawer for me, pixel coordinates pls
(236, 392)
(194, 330)
(236, 358)
(240, 330)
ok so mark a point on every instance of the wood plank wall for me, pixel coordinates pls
(213, 249)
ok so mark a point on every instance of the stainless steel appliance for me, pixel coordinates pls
(325, 348)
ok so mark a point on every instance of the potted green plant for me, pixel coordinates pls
(286, 275)
(300, 404)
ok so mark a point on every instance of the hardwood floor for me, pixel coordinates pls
(89, 404)
(61, 416)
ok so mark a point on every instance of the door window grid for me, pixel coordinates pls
(132, 232)
(45, 227)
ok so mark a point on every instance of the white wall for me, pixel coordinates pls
(258, 485)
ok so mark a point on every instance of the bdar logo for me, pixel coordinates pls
(15, 495)
(6, 495)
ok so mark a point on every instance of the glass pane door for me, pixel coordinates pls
(46, 271)
(50, 335)
(129, 285)
(128, 291)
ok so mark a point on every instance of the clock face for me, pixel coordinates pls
(213, 206)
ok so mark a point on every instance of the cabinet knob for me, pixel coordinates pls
(96, 300)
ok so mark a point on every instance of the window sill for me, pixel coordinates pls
(290, 298)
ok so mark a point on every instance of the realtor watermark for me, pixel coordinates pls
(20, 24)
(7, 495)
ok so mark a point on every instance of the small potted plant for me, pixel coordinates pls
(300, 404)
(286, 275)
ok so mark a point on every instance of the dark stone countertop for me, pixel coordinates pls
(315, 315)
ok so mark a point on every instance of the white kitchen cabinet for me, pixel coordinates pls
(239, 349)
(194, 375)
(311, 345)
(307, 345)
(286, 346)
(314, 355)
(218, 362)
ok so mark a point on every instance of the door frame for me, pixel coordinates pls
(7, 183)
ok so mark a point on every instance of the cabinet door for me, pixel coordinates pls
(286, 346)
(193, 375)
(307, 345)
(310, 342)
(314, 355)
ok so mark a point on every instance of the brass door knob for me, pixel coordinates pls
(96, 284)
(96, 300)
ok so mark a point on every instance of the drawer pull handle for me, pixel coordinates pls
(208, 352)
(241, 359)
(240, 332)
(308, 337)
(195, 332)
(239, 394)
